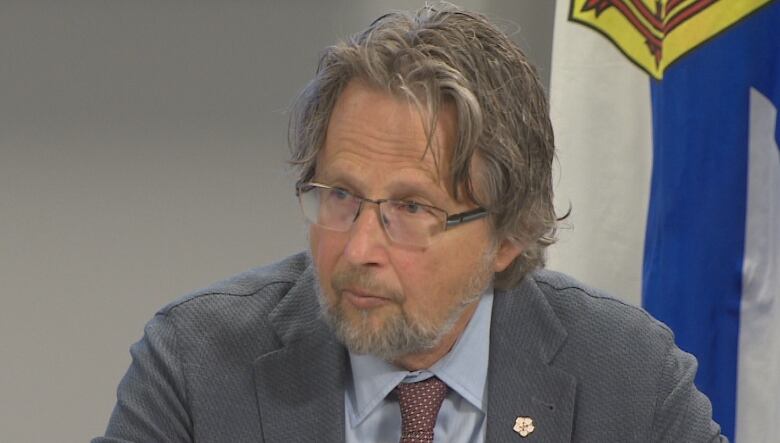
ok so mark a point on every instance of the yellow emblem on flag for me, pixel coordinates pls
(655, 33)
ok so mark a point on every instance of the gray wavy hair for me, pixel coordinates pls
(439, 54)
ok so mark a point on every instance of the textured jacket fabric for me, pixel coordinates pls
(251, 360)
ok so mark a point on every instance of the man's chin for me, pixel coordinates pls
(364, 321)
(362, 331)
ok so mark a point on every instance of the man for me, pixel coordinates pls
(420, 312)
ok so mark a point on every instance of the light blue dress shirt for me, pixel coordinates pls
(372, 417)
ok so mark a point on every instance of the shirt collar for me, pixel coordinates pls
(463, 369)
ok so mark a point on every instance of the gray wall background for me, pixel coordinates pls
(142, 155)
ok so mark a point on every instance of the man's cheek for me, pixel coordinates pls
(323, 250)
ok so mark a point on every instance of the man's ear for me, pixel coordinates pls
(508, 250)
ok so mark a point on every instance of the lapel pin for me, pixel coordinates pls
(524, 426)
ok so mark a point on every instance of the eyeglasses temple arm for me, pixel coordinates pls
(465, 217)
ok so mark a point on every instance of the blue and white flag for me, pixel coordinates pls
(667, 127)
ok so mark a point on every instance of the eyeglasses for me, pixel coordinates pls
(406, 222)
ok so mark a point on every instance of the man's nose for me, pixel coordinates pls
(367, 244)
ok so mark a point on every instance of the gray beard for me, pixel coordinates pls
(400, 335)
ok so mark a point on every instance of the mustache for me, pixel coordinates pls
(351, 278)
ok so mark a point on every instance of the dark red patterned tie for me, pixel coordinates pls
(420, 403)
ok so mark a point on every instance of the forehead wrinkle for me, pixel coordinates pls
(399, 151)
(358, 147)
(408, 172)
(406, 139)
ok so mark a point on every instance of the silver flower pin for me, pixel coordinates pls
(524, 426)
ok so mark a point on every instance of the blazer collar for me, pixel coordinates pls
(300, 387)
(525, 336)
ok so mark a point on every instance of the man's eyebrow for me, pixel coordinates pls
(431, 191)
(330, 176)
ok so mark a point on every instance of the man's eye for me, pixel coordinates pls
(411, 207)
(339, 194)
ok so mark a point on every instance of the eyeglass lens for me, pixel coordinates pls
(337, 209)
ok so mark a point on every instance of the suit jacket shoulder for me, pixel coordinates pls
(237, 361)
(628, 381)
(606, 326)
(275, 277)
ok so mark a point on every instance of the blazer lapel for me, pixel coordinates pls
(300, 387)
(525, 335)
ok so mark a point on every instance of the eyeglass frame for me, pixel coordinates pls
(450, 221)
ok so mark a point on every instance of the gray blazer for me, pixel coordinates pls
(250, 359)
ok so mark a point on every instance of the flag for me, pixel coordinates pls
(666, 122)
